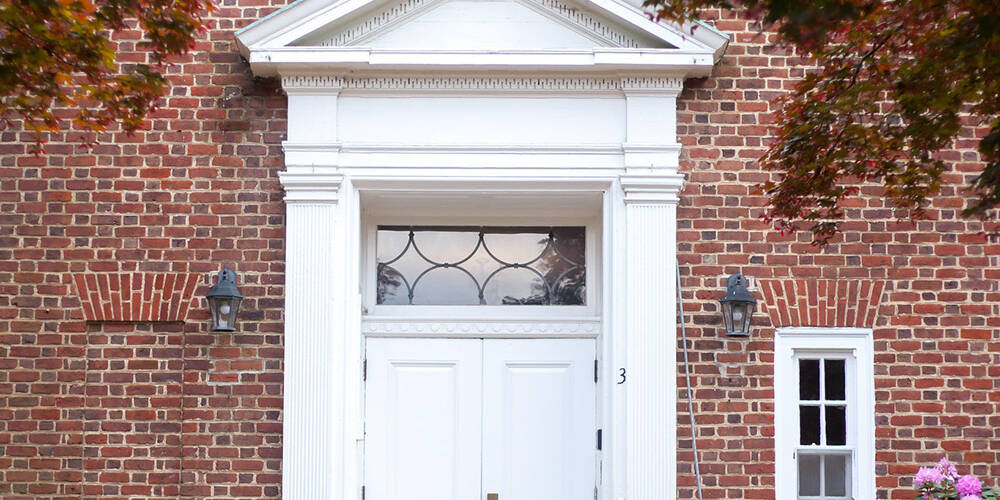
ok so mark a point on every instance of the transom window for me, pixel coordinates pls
(471, 265)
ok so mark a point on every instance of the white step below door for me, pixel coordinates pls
(461, 419)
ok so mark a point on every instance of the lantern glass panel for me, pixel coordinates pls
(747, 317)
(727, 316)
(224, 311)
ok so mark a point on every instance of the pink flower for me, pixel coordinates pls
(969, 486)
(927, 475)
(971, 497)
(947, 468)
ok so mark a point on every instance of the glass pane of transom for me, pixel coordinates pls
(471, 265)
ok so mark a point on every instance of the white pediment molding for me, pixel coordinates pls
(331, 36)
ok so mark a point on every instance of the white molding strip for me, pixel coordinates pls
(414, 327)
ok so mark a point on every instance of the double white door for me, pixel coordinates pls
(467, 419)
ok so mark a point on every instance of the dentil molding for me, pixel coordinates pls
(627, 84)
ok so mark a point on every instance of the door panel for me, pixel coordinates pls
(423, 419)
(539, 419)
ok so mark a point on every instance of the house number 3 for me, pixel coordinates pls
(622, 375)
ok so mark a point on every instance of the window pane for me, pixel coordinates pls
(835, 475)
(809, 379)
(808, 425)
(835, 381)
(809, 475)
(836, 425)
(445, 285)
(456, 265)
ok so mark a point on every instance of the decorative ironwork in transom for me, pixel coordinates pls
(463, 265)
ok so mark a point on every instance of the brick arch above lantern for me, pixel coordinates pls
(133, 297)
(822, 303)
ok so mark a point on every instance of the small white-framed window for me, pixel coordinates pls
(824, 413)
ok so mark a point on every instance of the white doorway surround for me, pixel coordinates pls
(495, 111)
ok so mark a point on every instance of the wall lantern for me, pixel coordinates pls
(737, 307)
(224, 301)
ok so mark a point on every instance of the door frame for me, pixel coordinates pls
(596, 323)
(636, 329)
(635, 169)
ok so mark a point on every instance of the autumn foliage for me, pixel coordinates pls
(58, 54)
(896, 81)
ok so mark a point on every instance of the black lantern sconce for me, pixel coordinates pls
(737, 307)
(224, 301)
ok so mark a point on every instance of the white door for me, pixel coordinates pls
(423, 415)
(464, 419)
(539, 422)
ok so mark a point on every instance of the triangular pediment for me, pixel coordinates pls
(531, 35)
(479, 25)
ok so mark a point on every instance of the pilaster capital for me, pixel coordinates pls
(311, 186)
(662, 188)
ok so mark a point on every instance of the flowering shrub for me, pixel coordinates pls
(942, 482)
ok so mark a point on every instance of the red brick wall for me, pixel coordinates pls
(151, 409)
(166, 409)
(937, 332)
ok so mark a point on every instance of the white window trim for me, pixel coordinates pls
(858, 342)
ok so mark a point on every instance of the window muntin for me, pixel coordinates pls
(472, 265)
(825, 446)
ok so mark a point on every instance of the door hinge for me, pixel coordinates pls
(595, 371)
(599, 438)
(364, 370)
